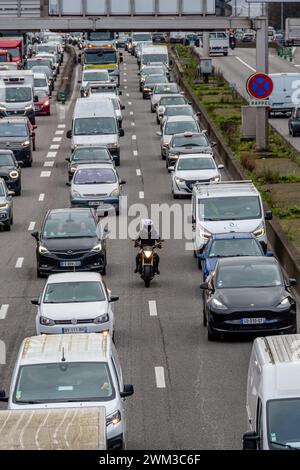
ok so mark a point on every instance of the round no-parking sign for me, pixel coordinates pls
(259, 86)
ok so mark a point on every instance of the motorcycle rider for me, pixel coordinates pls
(148, 236)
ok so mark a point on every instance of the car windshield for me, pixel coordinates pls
(15, 52)
(91, 154)
(64, 382)
(100, 57)
(254, 274)
(16, 94)
(101, 36)
(165, 89)
(39, 82)
(194, 141)
(283, 418)
(179, 111)
(230, 208)
(169, 100)
(234, 247)
(180, 126)
(70, 292)
(141, 37)
(148, 58)
(103, 89)
(95, 76)
(13, 130)
(6, 160)
(70, 225)
(95, 176)
(151, 79)
(191, 164)
(42, 69)
(95, 126)
(36, 62)
(153, 70)
(41, 94)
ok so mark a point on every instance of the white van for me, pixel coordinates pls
(40, 81)
(229, 206)
(273, 394)
(285, 95)
(71, 371)
(95, 123)
(154, 54)
(17, 94)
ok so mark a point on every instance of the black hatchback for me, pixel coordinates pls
(10, 171)
(248, 295)
(70, 240)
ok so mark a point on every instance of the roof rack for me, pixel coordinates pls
(225, 186)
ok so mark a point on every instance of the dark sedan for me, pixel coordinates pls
(88, 154)
(187, 142)
(248, 295)
(17, 134)
(294, 122)
(70, 240)
(10, 171)
(150, 82)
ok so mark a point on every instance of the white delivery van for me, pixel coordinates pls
(95, 123)
(16, 94)
(229, 206)
(273, 394)
(154, 54)
(218, 43)
(286, 92)
(71, 371)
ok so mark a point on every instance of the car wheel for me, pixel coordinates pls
(7, 226)
(103, 271)
(163, 157)
(144, 96)
(12, 219)
(293, 133)
(113, 337)
(38, 273)
(157, 120)
(18, 192)
(199, 264)
(152, 109)
(33, 146)
(204, 317)
(175, 196)
(211, 335)
(117, 161)
(29, 164)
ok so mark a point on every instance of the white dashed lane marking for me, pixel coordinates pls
(135, 153)
(41, 196)
(138, 172)
(160, 377)
(54, 147)
(57, 139)
(152, 308)
(51, 154)
(48, 164)
(133, 137)
(3, 311)
(141, 195)
(31, 226)
(45, 174)
(19, 262)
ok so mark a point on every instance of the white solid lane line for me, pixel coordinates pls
(54, 147)
(141, 195)
(57, 139)
(138, 172)
(152, 308)
(160, 377)
(41, 196)
(31, 226)
(135, 153)
(3, 311)
(45, 174)
(49, 164)
(245, 63)
(51, 154)
(19, 262)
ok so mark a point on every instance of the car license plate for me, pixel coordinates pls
(70, 264)
(95, 203)
(74, 329)
(253, 321)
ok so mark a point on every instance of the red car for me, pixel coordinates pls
(42, 106)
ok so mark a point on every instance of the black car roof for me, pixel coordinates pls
(246, 260)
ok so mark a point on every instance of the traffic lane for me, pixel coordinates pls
(237, 73)
(191, 393)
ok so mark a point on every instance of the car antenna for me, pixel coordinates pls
(63, 359)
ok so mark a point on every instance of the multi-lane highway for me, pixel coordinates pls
(189, 394)
(241, 63)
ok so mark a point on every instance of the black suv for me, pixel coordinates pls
(70, 240)
(10, 171)
(15, 135)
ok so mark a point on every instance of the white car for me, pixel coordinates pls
(118, 107)
(162, 89)
(77, 302)
(40, 82)
(169, 100)
(90, 76)
(176, 125)
(191, 169)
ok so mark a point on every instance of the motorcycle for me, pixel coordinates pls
(147, 261)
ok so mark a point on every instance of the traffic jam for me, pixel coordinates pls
(73, 359)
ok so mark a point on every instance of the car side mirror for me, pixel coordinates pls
(68, 159)
(120, 93)
(121, 132)
(220, 167)
(69, 135)
(114, 298)
(10, 193)
(122, 107)
(34, 127)
(250, 440)
(36, 99)
(268, 215)
(79, 81)
(201, 256)
(139, 73)
(68, 183)
(3, 396)
(35, 301)
(35, 235)
(20, 163)
(128, 390)
(292, 282)
(204, 286)
(269, 254)
(122, 182)
(213, 144)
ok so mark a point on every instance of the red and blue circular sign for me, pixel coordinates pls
(259, 86)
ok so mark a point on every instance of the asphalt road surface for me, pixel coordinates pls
(189, 394)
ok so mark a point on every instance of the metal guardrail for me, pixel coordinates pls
(20, 8)
(284, 250)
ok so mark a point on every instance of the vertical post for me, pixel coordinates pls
(205, 43)
(262, 65)
(19, 9)
(281, 16)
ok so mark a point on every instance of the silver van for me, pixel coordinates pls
(95, 123)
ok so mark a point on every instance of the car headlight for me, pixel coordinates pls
(115, 192)
(204, 233)
(28, 108)
(46, 321)
(26, 143)
(2, 108)
(73, 169)
(260, 231)
(4, 206)
(75, 193)
(174, 156)
(217, 304)
(113, 418)
(166, 146)
(43, 250)
(179, 181)
(113, 146)
(47, 103)
(97, 248)
(148, 253)
(147, 89)
(284, 303)
(14, 174)
(102, 319)
(215, 179)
